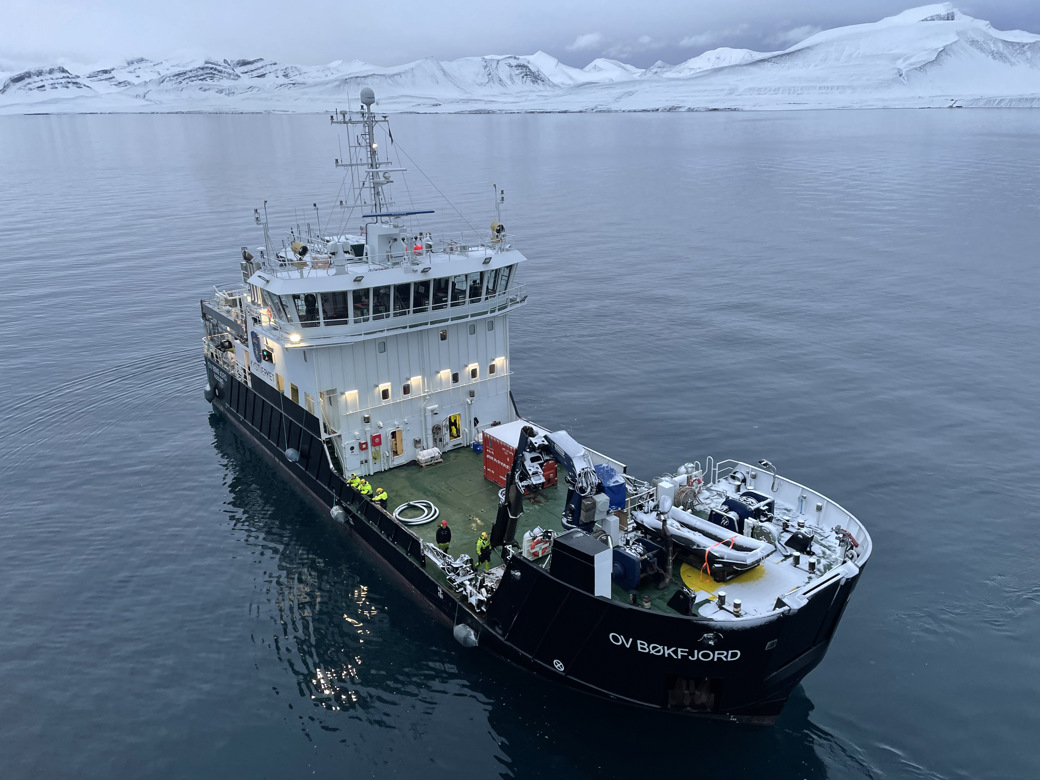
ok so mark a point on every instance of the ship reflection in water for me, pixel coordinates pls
(350, 647)
(364, 655)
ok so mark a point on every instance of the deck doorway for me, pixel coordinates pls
(449, 431)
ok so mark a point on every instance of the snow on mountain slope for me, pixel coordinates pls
(716, 58)
(132, 72)
(507, 73)
(266, 69)
(922, 57)
(927, 56)
(604, 70)
(558, 73)
(43, 80)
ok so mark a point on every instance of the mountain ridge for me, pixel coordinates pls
(932, 55)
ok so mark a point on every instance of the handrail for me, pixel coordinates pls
(219, 357)
(332, 266)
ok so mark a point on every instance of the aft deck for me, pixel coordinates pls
(467, 500)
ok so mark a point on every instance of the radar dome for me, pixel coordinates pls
(368, 97)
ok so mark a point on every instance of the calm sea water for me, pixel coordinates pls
(848, 294)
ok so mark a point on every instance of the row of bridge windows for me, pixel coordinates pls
(347, 307)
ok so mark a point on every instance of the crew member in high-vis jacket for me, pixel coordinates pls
(484, 551)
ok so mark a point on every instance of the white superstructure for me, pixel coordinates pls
(396, 340)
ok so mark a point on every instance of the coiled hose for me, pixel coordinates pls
(429, 512)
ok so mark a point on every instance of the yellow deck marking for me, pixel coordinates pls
(694, 580)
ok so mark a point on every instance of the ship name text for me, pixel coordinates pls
(668, 651)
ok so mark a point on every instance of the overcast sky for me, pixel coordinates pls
(393, 32)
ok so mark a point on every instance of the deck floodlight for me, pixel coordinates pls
(358, 278)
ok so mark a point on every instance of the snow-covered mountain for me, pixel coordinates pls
(928, 56)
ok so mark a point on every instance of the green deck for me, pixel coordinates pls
(467, 500)
(469, 503)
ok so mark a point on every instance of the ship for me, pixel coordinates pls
(380, 359)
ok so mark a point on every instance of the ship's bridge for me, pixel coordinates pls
(335, 295)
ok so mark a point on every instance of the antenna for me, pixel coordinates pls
(368, 97)
(267, 234)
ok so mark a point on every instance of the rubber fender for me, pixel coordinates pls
(465, 635)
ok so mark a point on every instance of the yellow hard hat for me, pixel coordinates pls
(483, 534)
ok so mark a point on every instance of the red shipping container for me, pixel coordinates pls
(500, 448)
(498, 460)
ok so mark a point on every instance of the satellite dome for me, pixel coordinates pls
(368, 97)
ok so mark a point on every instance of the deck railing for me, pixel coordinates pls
(220, 357)
(321, 265)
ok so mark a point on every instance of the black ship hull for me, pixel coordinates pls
(607, 648)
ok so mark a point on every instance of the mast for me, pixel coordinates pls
(363, 151)
(368, 97)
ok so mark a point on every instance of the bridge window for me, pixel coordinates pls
(335, 308)
(503, 278)
(307, 309)
(276, 305)
(458, 290)
(381, 302)
(402, 299)
(440, 293)
(421, 296)
(476, 284)
(492, 281)
(361, 305)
